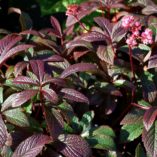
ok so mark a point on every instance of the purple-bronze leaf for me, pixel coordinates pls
(57, 29)
(58, 81)
(12, 52)
(94, 36)
(17, 99)
(54, 122)
(24, 80)
(19, 67)
(106, 53)
(149, 139)
(50, 95)
(79, 67)
(74, 146)
(54, 58)
(3, 133)
(149, 117)
(32, 146)
(105, 25)
(152, 63)
(38, 68)
(72, 94)
(8, 42)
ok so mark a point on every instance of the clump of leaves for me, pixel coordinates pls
(70, 92)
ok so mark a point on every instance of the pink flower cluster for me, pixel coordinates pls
(135, 27)
(72, 9)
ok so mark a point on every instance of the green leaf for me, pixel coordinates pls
(104, 130)
(1, 95)
(130, 132)
(17, 117)
(86, 120)
(102, 138)
(102, 142)
(139, 152)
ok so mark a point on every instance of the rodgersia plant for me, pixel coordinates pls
(88, 90)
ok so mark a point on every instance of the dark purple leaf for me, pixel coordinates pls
(38, 68)
(94, 36)
(106, 54)
(48, 79)
(3, 133)
(5, 55)
(19, 67)
(118, 32)
(78, 43)
(74, 146)
(79, 67)
(149, 88)
(17, 99)
(149, 139)
(54, 122)
(152, 63)
(57, 29)
(150, 9)
(78, 54)
(74, 95)
(105, 25)
(8, 42)
(32, 32)
(50, 95)
(32, 146)
(149, 117)
(54, 58)
(24, 80)
(113, 4)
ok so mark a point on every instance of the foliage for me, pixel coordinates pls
(80, 91)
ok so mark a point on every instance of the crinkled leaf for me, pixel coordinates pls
(19, 67)
(17, 117)
(104, 130)
(38, 68)
(74, 95)
(149, 117)
(74, 146)
(50, 95)
(57, 29)
(13, 51)
(32, 146)
(134, 116)
(79, 67)
(149, 139)
(139, 152)
(86, 120)
(152, 63)
(8, 42)
(149, 87)
(102, 142)
(130, 132)
(3, 133)
(105, 25)
(94, 36)
(17, 99)
(24, 80)
(54, 122)
(106, 54)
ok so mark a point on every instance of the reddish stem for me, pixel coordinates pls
(131, 64)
